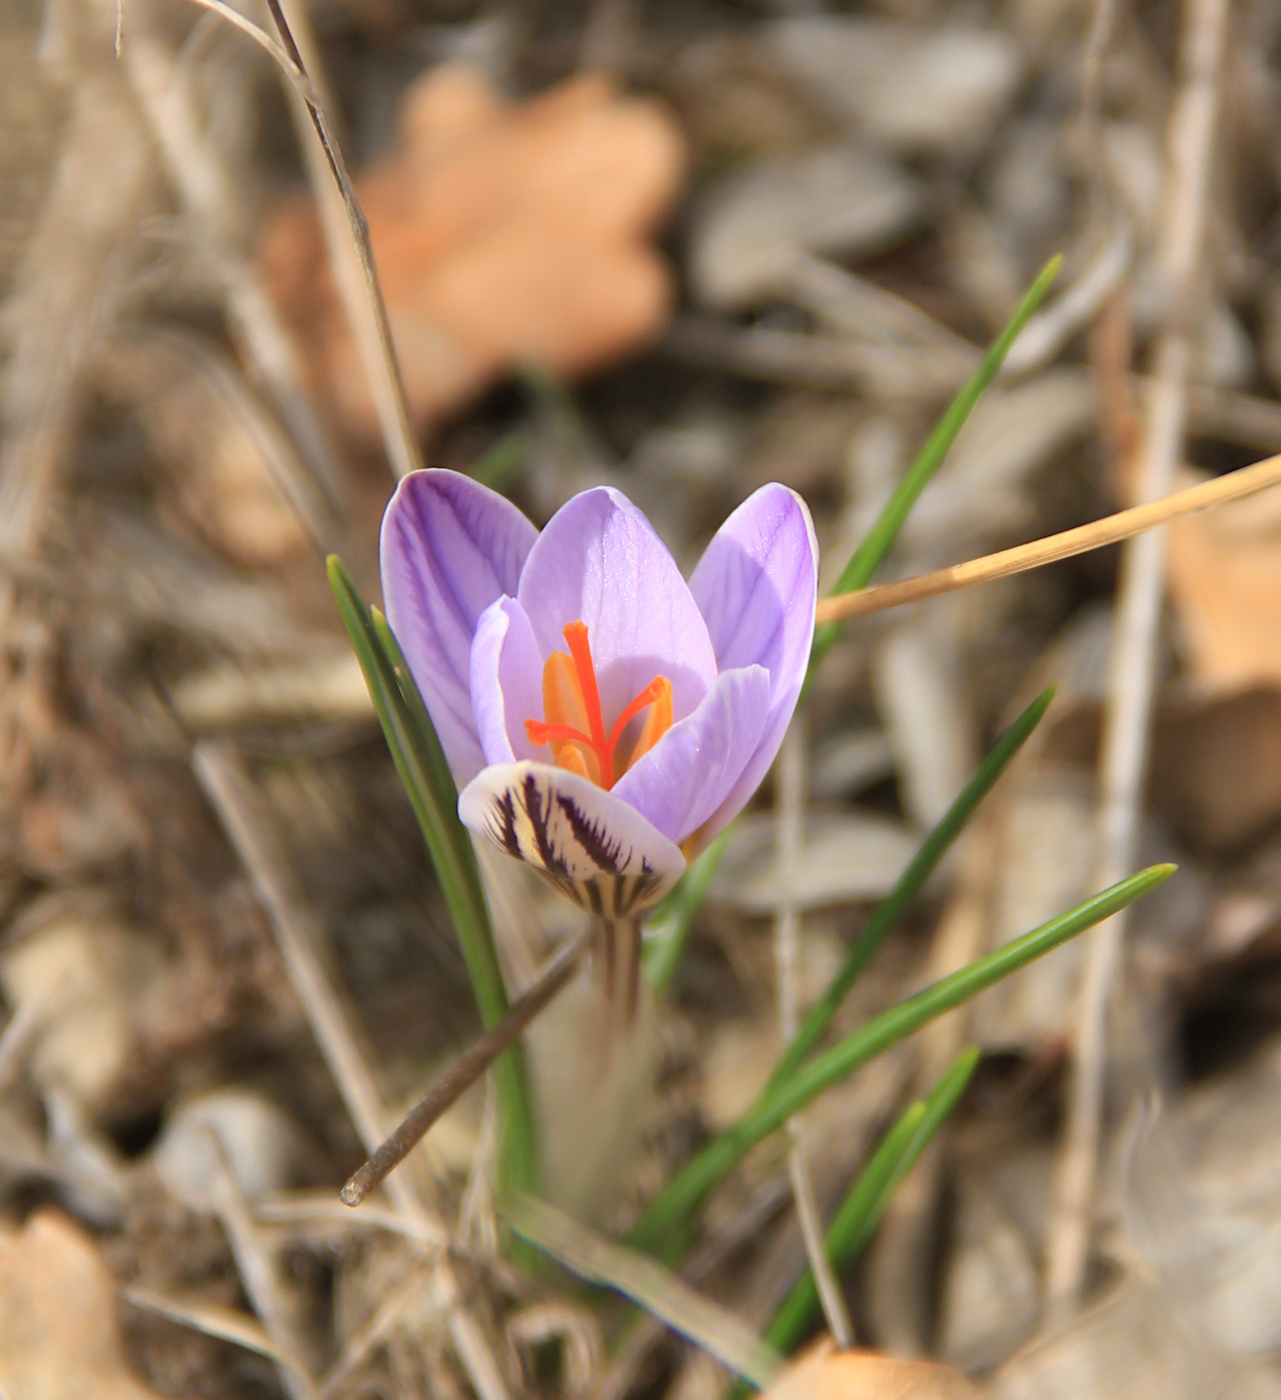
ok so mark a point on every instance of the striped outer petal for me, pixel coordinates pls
(589, 844)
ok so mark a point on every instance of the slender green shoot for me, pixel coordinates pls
(892, 908)
(861, 1211)
(425, 774)
(867, 558)
(667, 929)
(685, 1194)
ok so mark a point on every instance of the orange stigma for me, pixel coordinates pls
(574, 725)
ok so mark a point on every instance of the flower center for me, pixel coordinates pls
(574, 725)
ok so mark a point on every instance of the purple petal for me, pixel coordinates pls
(448, 548)
(757, 585)
(753, 774)
(599, 561)
(685, 778)
(506, 682)
(590, 845)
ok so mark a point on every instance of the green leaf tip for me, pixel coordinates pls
(876, 544)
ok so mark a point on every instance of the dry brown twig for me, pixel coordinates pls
(387, 385)
(473, 1063)
(1112, 529)
(226, 785)
(1131, 684)
(345, 259)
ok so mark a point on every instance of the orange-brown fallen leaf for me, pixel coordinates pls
(1224, 570)
(59, 1339)
(827, 1374)
(503, 233)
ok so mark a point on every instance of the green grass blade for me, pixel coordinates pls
(668, 927)
(425, 774)
(893, 906)
(868, 1199)
(685, 1193)
(867, 558)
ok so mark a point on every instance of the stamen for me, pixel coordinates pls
(570, 692)
(658, 689)
(580, 649)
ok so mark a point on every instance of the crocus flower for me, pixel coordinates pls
(603, 717)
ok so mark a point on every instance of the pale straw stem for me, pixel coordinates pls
(1127, 713)
(787, 939)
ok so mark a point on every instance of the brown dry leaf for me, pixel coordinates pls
(59, 1339)
(503, 233)
(1224, 570)
(827, 1374)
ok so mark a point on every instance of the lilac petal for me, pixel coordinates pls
(600, 562)
(753, 775)
(587, 843)
(757, 585)
(506, 682)
(695, 766)
(449, 547)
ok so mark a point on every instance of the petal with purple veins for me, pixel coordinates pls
(449, 547)
(757, 586)
(599, 561)
(506, 682)
(586, 842)
(686, 777)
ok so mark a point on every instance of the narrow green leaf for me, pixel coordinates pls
(425, 774)
(685, 1193)
(867, 558)
(895, 904)
(668, 927)
(869, 1198)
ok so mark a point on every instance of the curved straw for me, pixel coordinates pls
(1110, 530)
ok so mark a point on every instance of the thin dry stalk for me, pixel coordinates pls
(787, 940)
(1051, 329)
(899, 1294)
(197, 173)
(1112, 529)
(65, 296)
(227, 787)
(295, 481)
(1135, 637)
(372, 1335)
(227, 1324)
(387, 384)
(793, 357)
(344, 258)
(256, 1268)
(864, 311)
